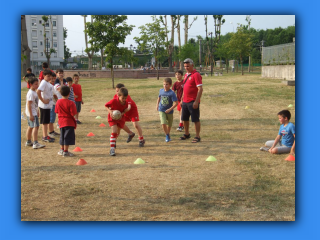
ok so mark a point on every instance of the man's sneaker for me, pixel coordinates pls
(180, 129)
(47, 139)
(130, 137)
(37, 145)
(60, 152)
(112, 152)
(264, 149)
(55, 133)
(28, 144)
(67, 154)
(141, 143)
(168, 138)
(78, 121)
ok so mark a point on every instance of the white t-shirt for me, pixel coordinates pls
(56, 91)
(32, 96)
(46, 89)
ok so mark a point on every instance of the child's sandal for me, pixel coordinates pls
(184, 137)
(196, 139)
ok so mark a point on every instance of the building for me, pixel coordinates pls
(36, 42)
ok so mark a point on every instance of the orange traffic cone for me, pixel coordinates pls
(77, 149)
(81, 162)
(92, 110)
(90, 134)
(102, 125)
(290, 158)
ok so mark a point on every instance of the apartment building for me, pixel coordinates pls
(36, 41)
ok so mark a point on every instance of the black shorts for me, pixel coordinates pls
(67, 136)
(78, 105)
(44, 116)
(187, 111)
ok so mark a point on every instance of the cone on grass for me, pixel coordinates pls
(77, 149)
(81, 162)
(90, 134)
(139, 161)
(211, 159)
(247, 107)
(290, 105)
(102, 125)
(290, 158)
(98, 117)
(92, 110)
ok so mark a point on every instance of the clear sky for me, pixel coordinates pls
(75, 26)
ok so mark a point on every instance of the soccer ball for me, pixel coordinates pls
(116, 114)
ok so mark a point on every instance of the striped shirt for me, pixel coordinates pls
(71, 96)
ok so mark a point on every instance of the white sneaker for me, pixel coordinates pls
(28, 144)
(67, 154)
(264, 149)
(60, 152)
(52, 135)
(38, 145)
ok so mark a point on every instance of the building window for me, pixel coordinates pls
(47, 34)
(40, 21)
(48, 44)
(33, 22)
(47, 24)
(34, 44)
(41, 43)
(41, 54)
(54, 23)
(35, 55)
(54, 34)
(34, 33)
(55, 54)
(55, 44)
(40, 32)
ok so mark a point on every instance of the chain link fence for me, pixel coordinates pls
(279, 54)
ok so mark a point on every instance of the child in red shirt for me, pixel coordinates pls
(131, 115)
(121, 105)
(66, 110)
(77, 91)
(178, 86)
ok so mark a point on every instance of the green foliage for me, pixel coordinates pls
(67, 53)
(190, 50)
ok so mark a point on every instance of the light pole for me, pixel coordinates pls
(232, 26)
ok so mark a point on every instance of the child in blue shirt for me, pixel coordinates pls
(285, 141)
(166, 102)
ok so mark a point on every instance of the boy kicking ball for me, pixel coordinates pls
(285, 141)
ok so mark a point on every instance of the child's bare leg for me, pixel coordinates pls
(125, 127)
(66, 148)
(51, 128)
(35, 134)
(76, 116)
(168, 129)
(139, 129)
(180, 116)
(44, 130)
(165, 128)
(29, 132)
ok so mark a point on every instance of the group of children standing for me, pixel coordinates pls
(52, 96)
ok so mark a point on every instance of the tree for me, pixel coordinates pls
(67, 53)
(46, 44)
(240, 44)
(187, 27)
(179, 39)
(152, 38)
(248, 19)
(89, 53)
(107, 32)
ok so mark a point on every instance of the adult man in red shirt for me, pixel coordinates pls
(192, 91)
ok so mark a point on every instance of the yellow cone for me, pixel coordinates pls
(211, 159)
(290, 105)
(247, 107)
(139, 161)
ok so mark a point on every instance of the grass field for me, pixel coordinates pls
(176, 183)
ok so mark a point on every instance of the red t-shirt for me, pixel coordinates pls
(77, 91)
(41, 74)
(114, 104)
(66, 110)
(134, 109)
(177, 86)
(190, 88)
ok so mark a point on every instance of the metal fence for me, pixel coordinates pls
(279, 54)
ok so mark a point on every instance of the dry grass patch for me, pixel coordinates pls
(176, 183)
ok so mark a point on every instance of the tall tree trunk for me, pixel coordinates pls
(101, 60)
(179, 40)
(186, 27)
(241, 65)
(112, 73)
(227, 65)
(173, 23)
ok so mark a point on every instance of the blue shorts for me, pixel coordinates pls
(35, 122)
(52, 114)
